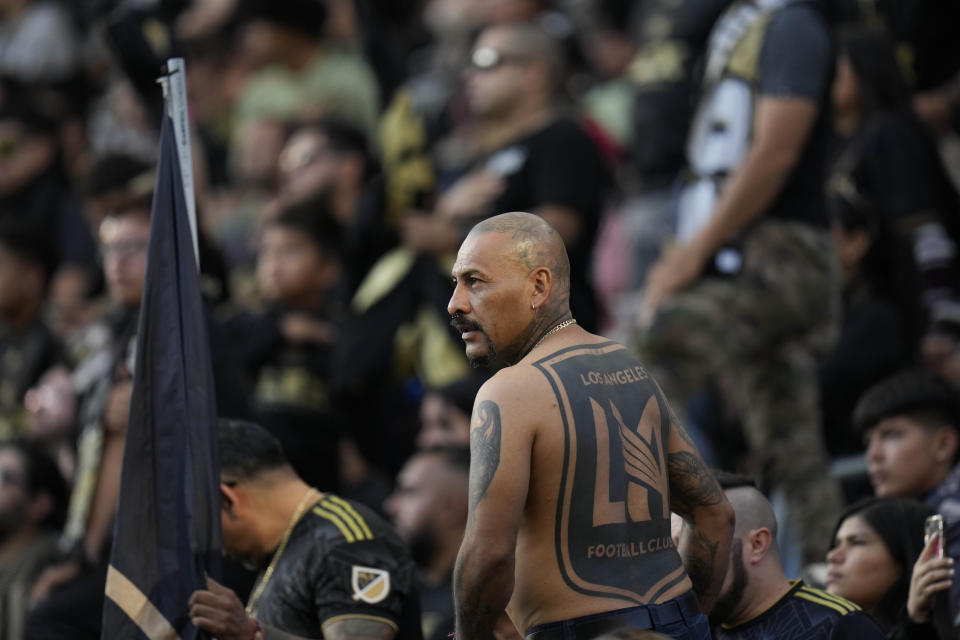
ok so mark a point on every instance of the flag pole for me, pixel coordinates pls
(174, 84)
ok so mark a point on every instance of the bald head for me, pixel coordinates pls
(511, 287)
(752, 509)
(533, 243)
(531, 41)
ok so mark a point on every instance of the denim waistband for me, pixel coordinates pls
(647, 616)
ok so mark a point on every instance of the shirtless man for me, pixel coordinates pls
(576, 462)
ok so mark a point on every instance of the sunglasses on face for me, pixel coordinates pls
(488, 58)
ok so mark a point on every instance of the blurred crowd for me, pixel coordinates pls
(341, 151)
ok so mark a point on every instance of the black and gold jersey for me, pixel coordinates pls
(342, 561)
(805, 613)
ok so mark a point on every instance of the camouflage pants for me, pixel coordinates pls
(764, 331)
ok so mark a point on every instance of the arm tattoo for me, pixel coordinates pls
(479, 596)
(484, 450)
(358, 629)
(700, 562)
(675, 424)
(691, 483)
(474, 618)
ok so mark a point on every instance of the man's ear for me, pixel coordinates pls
(541, 280)
(230, 498)
(758, 545)
(946, 441)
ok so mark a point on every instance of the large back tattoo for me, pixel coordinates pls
(612, 532)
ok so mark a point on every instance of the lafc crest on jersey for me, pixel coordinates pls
(370, 585)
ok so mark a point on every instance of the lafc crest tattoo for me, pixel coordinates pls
(613, 512)
(370, 585)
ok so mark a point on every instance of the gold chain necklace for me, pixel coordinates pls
(262, 583)
(564, 324)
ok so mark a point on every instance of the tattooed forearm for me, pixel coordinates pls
(481, 588)
(484, 450)
(692, 485)
(705, 545)
(475, 618)
(699, 555)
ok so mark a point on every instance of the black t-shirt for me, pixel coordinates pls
(437, 610)
(25, 355)
(558, 165)
(874, 343)
(925, 35)
(805, 613)
(670, 38)
(290, 395)
(894, 162)
(341, 561)
(797, 61)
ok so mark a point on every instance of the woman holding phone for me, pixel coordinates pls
(879, 561)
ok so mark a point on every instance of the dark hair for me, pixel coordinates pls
(313, 219)
(41, 475)
(305, 16)
(916, 393)
(247, 449)
(461, 393)
(114, 172)
(455, 457)
(28, 242)
(343, 138)
(871, 54)
(30, 107)
(853, 211)
(887, 268)
(899, 524)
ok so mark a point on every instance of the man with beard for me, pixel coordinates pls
(429, 510)
(526, 154)
(331, 568)
(757, 601)
(575, 462)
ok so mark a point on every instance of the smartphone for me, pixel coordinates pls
(933, 526)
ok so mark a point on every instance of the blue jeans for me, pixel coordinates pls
(678, 618)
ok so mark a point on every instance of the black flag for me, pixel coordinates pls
(167, 533)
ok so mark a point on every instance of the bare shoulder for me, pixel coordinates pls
(522, 390)
(502, 429)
